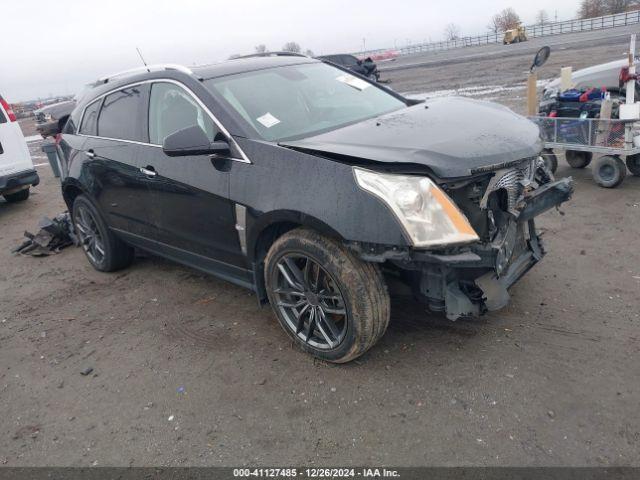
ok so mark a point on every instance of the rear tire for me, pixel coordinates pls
(20, 196)
(359, 312)
(633, 164)
(578, 159)
(105, 251)
(609, 171)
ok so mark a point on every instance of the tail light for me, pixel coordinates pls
(8, 109)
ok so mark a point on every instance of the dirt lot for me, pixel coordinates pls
(189, 370)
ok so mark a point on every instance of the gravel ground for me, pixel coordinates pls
(189, 370)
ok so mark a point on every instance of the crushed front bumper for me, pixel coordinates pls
(469, 281)
(516, 249)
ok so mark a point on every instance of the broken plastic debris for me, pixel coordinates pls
(170, 418)
(181, 390)
(86, 371)
(53, 236)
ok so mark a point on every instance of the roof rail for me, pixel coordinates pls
(273, 54)
(149, 68)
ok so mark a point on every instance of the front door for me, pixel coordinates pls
(196, 219)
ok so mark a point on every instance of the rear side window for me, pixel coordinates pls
(3, 119)
(334, 58)
(90, 119)
(349, 61)
(172, 109)
(121, 115)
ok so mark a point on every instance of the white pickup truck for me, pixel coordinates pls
(17, 173)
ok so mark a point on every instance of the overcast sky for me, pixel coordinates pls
(56, 46)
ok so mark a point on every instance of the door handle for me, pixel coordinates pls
(90, 154)
(148, 171)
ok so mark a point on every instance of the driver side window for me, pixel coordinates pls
(172, 109)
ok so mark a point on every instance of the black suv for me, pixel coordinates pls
(311, 187)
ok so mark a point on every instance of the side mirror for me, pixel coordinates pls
(541, 58)
(193, 141)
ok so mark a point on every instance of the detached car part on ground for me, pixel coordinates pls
(312, 187)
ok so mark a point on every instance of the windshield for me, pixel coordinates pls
(301, 100)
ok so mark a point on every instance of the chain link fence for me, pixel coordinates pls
(582, 132)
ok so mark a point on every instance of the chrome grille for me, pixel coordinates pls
(512, 181)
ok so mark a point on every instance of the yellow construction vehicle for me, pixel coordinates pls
(515, 35)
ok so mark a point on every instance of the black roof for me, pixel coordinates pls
(248, 64)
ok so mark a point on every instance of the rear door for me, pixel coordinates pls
(197, 220)
(14, 153)
(115, 126)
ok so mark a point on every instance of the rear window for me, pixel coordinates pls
(122, 114)
(90, 119)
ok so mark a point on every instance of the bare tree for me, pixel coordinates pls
(452, 32)
(309, 53)
(510, 19)
(591, 8)
(619, 6)
(262, 48)
(495, 25)
(291, 47)
(542, 17)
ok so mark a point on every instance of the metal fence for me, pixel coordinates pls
(533, 31)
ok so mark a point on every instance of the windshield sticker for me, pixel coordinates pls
(354, 82)
(268, 120)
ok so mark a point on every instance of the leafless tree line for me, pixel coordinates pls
(598, 8)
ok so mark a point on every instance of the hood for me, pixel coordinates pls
(453, 137)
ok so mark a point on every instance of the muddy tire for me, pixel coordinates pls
(633, 164)
(332, 304)
(20, 196)
(578, 159)
(105, 251)
(550, 160)
(609, 171)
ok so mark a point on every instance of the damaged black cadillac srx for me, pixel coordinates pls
(312, 186)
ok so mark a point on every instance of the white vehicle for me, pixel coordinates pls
(17, 173)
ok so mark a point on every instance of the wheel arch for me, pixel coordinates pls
(70, 191)
(267, 228)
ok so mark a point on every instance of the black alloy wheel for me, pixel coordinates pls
(310, 301)
(89, 235)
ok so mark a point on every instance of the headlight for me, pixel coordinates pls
(427, 214)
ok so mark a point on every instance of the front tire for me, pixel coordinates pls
(20, 196)
(332, 304)
(105, 251)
